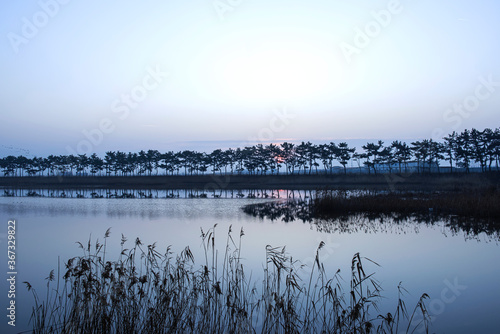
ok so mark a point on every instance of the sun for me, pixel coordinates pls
(282, 74)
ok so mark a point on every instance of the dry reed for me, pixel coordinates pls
(145, 291)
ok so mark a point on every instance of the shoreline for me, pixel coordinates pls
(388, 182)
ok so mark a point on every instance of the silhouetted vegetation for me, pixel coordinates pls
(472, 211)
(154, 193)
(458, 150)
(145, 291)
(478, 203)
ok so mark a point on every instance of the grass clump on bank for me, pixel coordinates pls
(145, 291)
(482, 203)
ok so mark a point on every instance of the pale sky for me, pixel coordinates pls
(92, 76)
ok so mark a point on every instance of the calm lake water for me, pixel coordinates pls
(459, 271)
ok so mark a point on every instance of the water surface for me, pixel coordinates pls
(458, 270)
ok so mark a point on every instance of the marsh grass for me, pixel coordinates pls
(481, 203)
(340, 211)
(145, 291)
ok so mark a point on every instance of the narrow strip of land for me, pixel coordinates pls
(444, 182)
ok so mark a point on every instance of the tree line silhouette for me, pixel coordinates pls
(457, 150)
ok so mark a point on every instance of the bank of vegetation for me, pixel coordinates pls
(209, 184)
(477, 203)
(145, 291)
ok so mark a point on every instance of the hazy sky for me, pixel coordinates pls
(91, 76)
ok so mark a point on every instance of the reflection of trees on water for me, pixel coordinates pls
(287, 211)
(159, 193)
(397, 223)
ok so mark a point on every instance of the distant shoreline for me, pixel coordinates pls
(425, 182)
